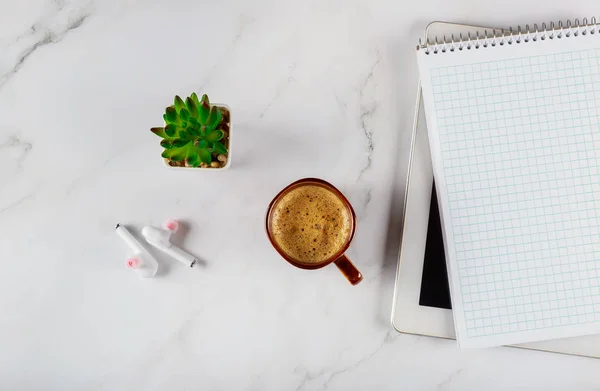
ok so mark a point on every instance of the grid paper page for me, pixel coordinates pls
(515, 140)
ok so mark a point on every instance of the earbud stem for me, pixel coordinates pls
(182, 256)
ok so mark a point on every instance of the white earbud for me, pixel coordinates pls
(161, 239)
(142, 262)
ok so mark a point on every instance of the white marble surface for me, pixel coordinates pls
(317, 88)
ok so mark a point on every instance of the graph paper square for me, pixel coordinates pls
(517, 149)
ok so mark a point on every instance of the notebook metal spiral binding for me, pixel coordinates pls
(510, 36)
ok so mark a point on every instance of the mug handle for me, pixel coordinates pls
(348, 269)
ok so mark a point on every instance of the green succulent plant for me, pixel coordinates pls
(191, 132)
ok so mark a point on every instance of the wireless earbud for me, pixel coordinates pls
(142, 262)
(161, 239)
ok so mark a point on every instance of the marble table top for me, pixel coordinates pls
(316, 88)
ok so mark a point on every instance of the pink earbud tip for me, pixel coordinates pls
(133, 263)
(172, 225)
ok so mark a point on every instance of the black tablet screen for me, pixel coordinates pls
(434, 283)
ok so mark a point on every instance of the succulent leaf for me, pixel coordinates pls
(160, 132)
(215, 135)
(205, 155)
(172, 117)
(195, 99)
(171, 130)
(186, 134)
(184, 114)
(170, 143)
(167, 143)
(194, 131)
(214, 119)
(176, 154)
(178, 103)
(192, 159)
(202, 144)
(192, 108)
(203, 112)
(205, 99)
(219, 148)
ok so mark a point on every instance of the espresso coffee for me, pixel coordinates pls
(311, 224)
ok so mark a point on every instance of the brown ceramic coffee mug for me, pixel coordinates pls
(311, 224)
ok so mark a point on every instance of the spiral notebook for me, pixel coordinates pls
(514, 132)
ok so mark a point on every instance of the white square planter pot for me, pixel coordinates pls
(226, 166)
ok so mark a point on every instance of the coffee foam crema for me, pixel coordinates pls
(311, 224)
